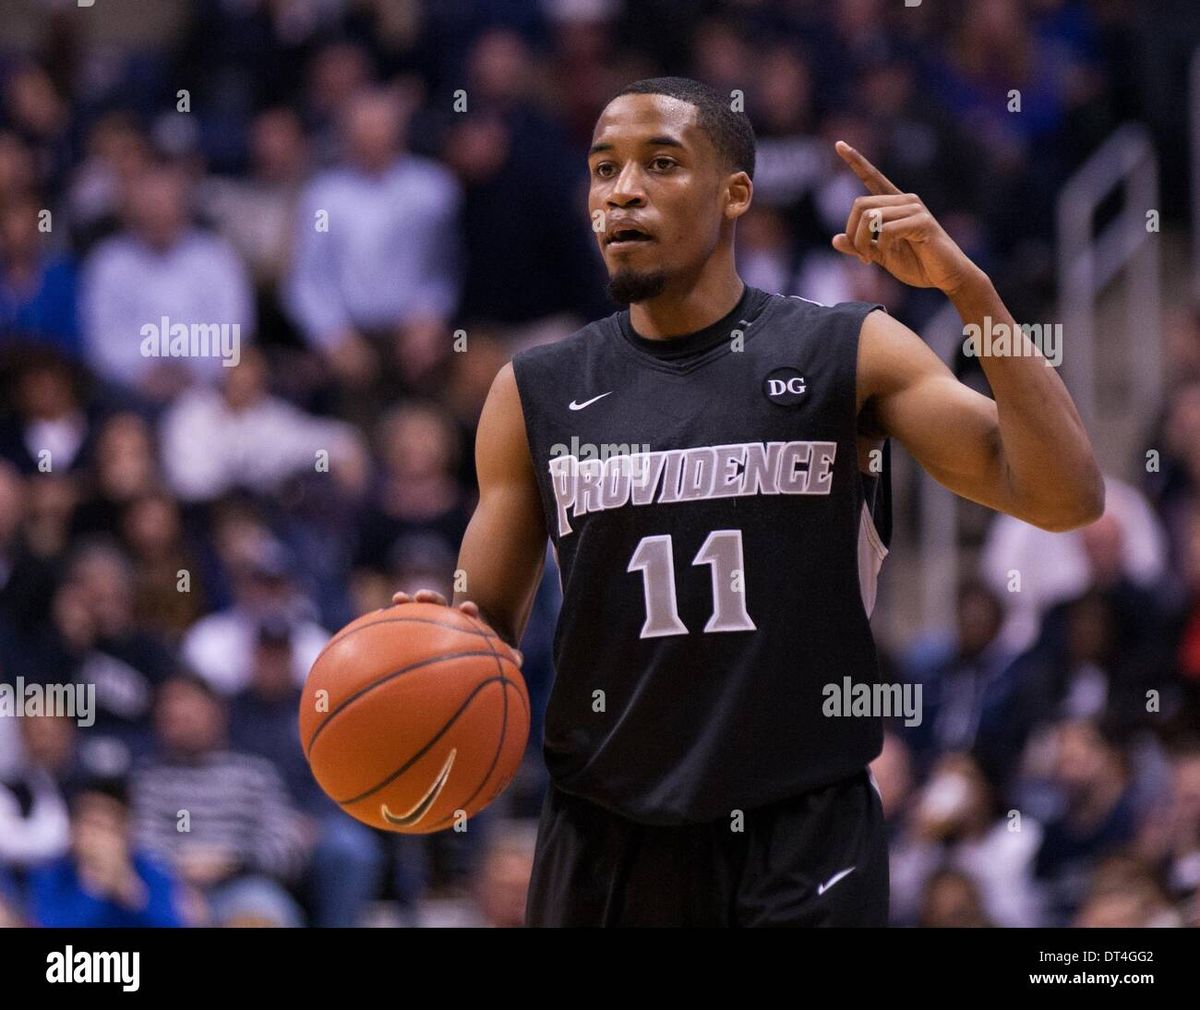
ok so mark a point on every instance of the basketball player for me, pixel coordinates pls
(710, 467)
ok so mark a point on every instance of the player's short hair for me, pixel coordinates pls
(730, 132)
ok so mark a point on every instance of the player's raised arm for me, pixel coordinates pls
(1025, 453)
(504, 548)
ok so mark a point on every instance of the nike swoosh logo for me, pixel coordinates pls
(833, 880)
(587, 403)
(422, 807)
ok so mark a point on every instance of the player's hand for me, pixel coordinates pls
(431, 596)
(467, 607)
(897, 231)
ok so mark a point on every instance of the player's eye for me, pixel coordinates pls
(604, 169)
(663, 164)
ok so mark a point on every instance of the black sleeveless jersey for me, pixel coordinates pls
(718, 548)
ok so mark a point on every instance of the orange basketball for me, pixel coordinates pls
(414, 715)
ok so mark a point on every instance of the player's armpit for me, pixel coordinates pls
(504, 548)
(907, 392)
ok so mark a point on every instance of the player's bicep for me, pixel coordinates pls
(504, 547)
(949, 428)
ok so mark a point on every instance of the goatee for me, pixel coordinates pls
(627, 286)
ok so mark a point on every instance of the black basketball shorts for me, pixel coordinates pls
(817, 859)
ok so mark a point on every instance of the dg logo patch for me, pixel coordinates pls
(784, 386)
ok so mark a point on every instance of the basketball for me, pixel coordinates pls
(413, 717)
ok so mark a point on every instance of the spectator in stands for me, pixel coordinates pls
(218, 816)
(765, 254)
(514, 165)
(51, 743)
(160, 268)
(220, 647)
(497, 894)
(18, 174)
(264, 439)
(34, 825)
(415, 491)
(967, 690)
(951, 899)
(336, 74)
(1184, 636)
(376, 249)
(1096, 817)
(28, 575)
(993, 53)
(116, 152)
(262, 716)
(169, 590)
(1123, 892)
(1172, 468)
(470, 379)
(124, 469)
(345, 867)
(38, 112)
(37, 288)
(588, 65)
(94, 640)
(1100, 654)
(956, 823)
(50, 501)
(1052, 567)
(105, 881)
(1170, 838)
(224, 39)
(51, 429)
(257, 213)
(504, 876)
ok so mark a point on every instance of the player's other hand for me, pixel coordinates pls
(898, 232)
(431, 596)
(467, 607)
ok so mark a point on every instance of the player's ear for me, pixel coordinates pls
(739, 191)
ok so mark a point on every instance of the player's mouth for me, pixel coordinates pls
(626, 238)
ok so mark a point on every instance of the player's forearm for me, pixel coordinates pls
(510, 626)
(499, 570)
(1048, 462)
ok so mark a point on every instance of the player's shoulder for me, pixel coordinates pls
(799, 307)
(564, 350)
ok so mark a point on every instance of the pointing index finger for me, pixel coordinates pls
(876, 182)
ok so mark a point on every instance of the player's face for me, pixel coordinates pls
(655, 198)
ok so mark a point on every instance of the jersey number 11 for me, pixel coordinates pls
(655, 559)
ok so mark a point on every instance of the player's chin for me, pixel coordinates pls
(617, 254)
(628, 283)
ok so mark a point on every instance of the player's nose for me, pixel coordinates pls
(627, 190)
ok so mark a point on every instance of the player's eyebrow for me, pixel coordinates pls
(663, 140)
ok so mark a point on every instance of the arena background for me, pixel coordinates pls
(183, 536)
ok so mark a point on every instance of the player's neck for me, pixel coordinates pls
(675, 313)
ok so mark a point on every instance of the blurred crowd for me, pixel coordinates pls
(366, 207)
